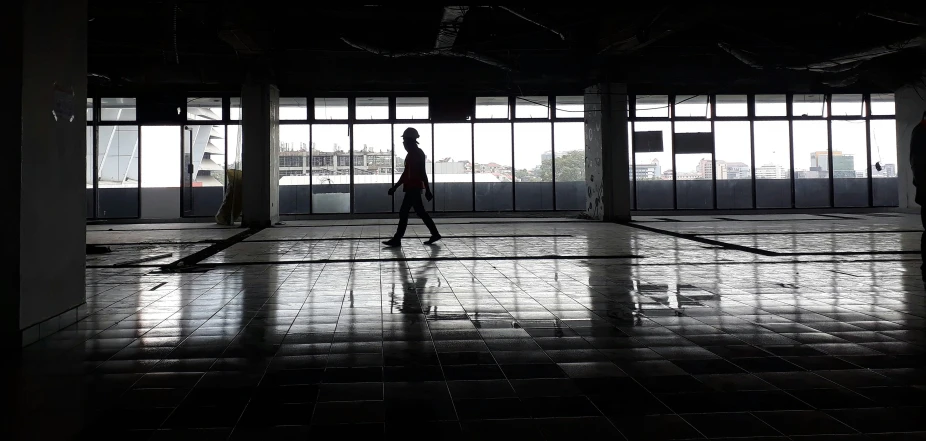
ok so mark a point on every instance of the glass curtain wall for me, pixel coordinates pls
(339, 155)
(769, 151)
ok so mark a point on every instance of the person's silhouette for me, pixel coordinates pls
(413, 180)
(918, 163)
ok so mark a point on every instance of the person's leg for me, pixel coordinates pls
(425, 217)
(403, 216)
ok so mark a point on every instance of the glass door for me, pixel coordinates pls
(202, 168)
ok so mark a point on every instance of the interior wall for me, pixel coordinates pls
(909, 108)
(53, 210)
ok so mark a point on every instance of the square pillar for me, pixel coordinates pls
(260, 155)
(45, 91)
(908, 108)
(607, 168)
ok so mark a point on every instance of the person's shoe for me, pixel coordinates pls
(392, 242)
(433, 239)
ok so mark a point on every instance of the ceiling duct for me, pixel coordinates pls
(447, 33)
(536, 22)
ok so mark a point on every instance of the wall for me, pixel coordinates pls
(909, 113)
(53, 211)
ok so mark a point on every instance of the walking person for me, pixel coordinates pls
(413, 180)
(918, 163)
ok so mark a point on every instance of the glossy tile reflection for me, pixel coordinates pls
(513, 328)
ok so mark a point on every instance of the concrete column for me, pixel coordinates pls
(607, 168)
(260, 155)
(44, 92)
(909, 108)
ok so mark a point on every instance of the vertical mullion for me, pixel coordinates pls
(827, 103)
(138, 165)
(311, 163)
(472, 153)
(392, 113)
(671, 104)
(789, 102)
(511, 112)
(866, 103)
(351, 119)
(552, 100)
(632, 115)
(751, 114)
(713, 109)
(95, 148)
(433, 170)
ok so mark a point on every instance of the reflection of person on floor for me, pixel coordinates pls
(412, 286)
(413, 180)
(918, 161)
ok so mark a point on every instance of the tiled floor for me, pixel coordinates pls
(807, 328)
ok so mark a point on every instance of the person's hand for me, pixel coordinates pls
(391, 191)
(428, 195)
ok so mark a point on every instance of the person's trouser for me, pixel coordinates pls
(413, 200)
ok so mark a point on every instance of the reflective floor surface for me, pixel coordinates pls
(803, 327)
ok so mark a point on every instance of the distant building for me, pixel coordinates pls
(738, 170)
(705, 169)
(648, 171)
(887, 171)
(771, 171)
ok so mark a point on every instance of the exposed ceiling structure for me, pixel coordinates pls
(692, 46)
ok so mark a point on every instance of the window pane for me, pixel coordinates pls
(771, 105)
(773, 163)
(569, 145)
(733, 164)
(808, 105)
(492, 107)
(372, 168)
(209, 109)
(652, 106)
(811, 169)
(118, 171)
(295, 175)
(89, 109)
(293, 109)
(233, 169)
(203, 148)
(693, 171)
(493, 166)
(372, 108)
(882, 104)
(846, 105)
(234, 108)
(117, 109)
(160, 172)
(731, 105)
(850, 163)
(884, 152)
(692, 106)
(411, 108)
(653, 155)
(88, 165)
(453, 172)
(330, 168)
(532, 107)
(570, 106)
(330, 108)
(424, 143)
(533, 154)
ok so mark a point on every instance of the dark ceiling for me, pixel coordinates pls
(667, 46)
